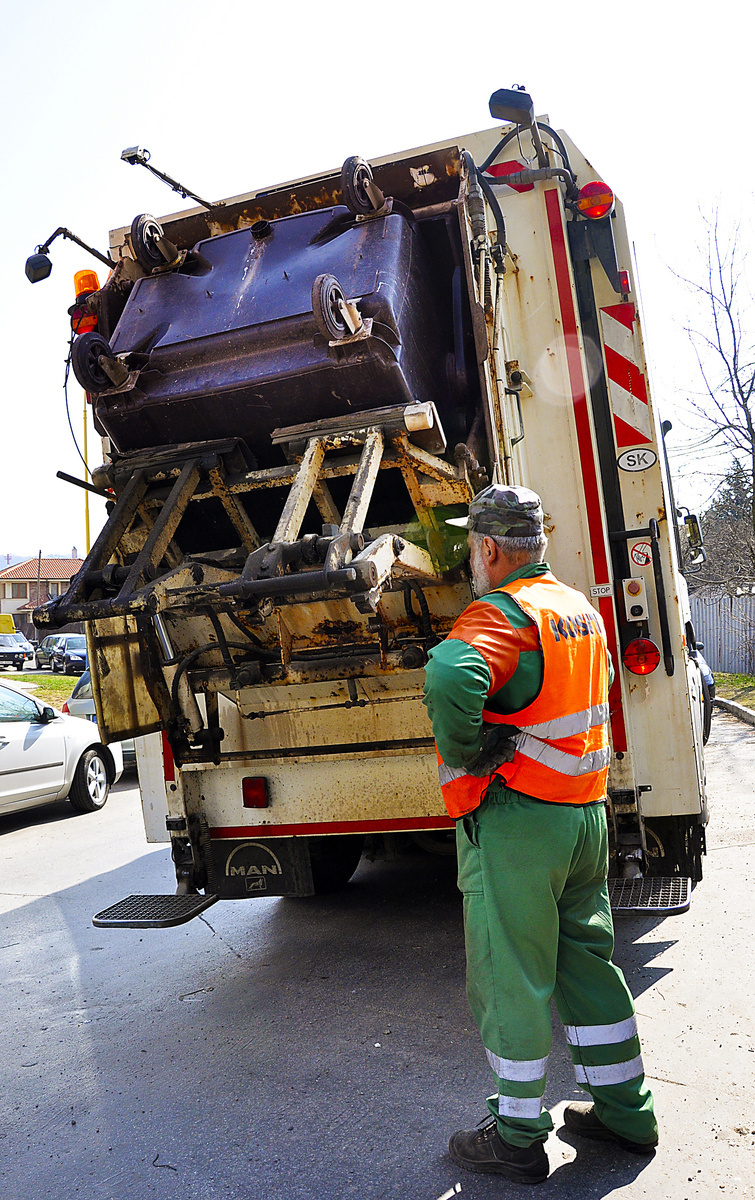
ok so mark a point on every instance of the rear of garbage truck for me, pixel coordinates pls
(297, 387)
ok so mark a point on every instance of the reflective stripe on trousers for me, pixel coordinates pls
(601, 1035)
(612, 1073)
(513, 1070)
(518, 1070)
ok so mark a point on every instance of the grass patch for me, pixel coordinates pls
(736, 687)
(50, 689)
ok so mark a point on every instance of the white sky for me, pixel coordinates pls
(233, 97)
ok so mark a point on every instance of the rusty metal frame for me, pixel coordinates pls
(158, 494)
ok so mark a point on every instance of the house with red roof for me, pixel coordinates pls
(31, 582)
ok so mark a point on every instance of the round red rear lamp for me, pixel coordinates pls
(595, 200)
(641, 656)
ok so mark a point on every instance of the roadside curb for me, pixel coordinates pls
(737, 710)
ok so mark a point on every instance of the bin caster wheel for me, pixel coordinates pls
(145, 234)
(360, 194)
(85, 355)
(327, 296)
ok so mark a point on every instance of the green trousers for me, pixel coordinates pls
(537, 924)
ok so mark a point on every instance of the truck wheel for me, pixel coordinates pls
(145, 231)
(355, 173)
(91, 785)
(334, 860)
(85, 355)
(326, 294)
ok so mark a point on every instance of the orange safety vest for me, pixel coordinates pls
(561, 748)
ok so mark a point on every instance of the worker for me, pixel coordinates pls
(518, 699)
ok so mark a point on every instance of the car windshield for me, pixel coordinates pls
(83, 689)
(7, 639)
(76, 643)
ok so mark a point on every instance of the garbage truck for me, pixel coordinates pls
(296, 388)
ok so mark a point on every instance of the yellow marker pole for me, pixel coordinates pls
(86, 494)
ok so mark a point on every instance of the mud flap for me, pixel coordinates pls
(262, 867)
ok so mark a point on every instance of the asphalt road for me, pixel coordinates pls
(318, 1049)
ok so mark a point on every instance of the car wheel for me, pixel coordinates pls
(90, 786)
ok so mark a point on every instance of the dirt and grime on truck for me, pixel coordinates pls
(296, 389)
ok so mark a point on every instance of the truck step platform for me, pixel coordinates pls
(665, 895)
(152, 912)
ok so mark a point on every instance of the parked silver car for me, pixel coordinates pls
(46, 756)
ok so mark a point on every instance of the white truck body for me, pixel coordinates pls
(566, 409)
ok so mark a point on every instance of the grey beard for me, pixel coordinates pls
(480, 579)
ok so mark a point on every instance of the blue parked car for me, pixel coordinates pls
(69, 655)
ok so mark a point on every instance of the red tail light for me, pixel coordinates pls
(641, 656)
(254, 792)
(595, 200)
(65, 709)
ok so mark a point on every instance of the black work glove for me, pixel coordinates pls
(498, 747)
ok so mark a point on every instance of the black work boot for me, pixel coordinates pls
(484, 1150)
(581, 1119)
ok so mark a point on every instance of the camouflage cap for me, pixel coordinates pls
(504, 511)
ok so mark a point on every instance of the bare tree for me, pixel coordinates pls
(724, 343)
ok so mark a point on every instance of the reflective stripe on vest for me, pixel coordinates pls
(578, 722)
(556, 760)
(562, 752)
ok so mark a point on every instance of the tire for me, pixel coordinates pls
(334, 860)
(91, 784)
(144, 233)
(355, 172)
(85, 355)
(326, 292)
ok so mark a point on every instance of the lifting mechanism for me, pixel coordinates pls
(158, 602)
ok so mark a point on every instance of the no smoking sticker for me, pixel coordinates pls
(641, 554)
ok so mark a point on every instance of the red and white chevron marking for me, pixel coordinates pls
(500, 170)
(626, 381)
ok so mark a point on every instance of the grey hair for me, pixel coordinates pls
(523, 550)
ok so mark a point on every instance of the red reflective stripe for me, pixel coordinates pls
(306, 828)
(584, 439)
(169, 766)
(627, 435)
(624, 372)
(623, 313)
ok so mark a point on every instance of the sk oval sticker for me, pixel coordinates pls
(637, 460)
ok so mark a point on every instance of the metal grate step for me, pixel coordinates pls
(661, 895)
(152, 912)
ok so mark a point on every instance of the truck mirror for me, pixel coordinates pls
(511, 105)
(38, 267)
(694, 533)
